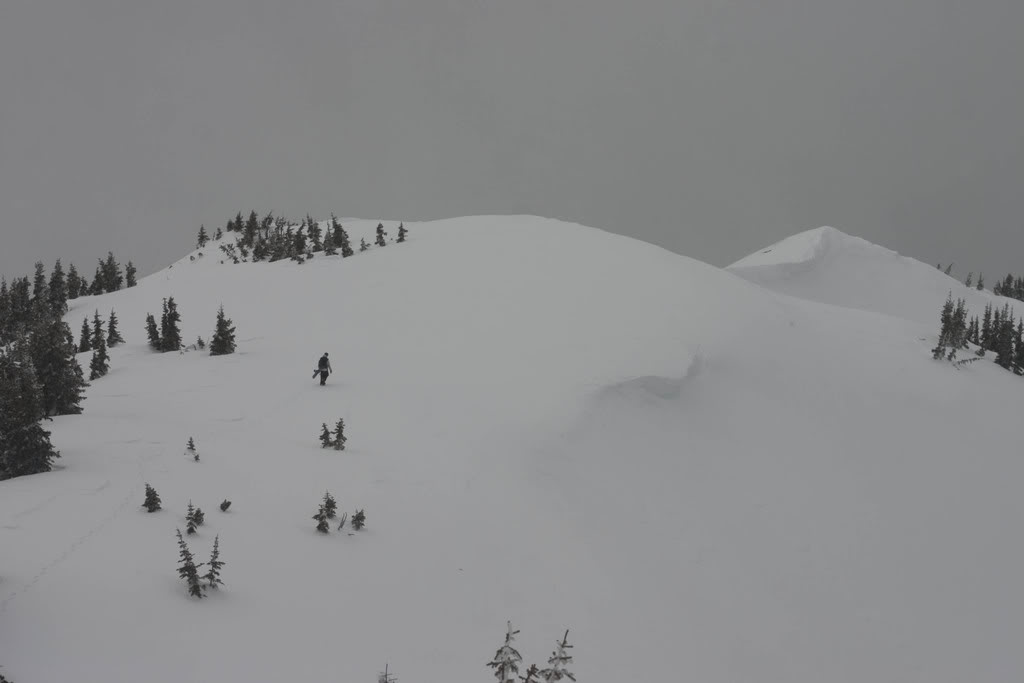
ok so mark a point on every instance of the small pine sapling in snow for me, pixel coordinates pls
(188, 569)
(321, 520)
(363, 246)
(358, 520)
(342, 520)
(402, 232)
(190, 449)
(190, 517)
(557, 662)
(199, 517)
(381, 235)
(507, 659)
(339, 435)
(325, 437)
(152, 502)
(225, 505)
(200, 344)
(330, 506)
(212, 576)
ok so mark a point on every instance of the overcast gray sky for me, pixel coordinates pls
(710, 127)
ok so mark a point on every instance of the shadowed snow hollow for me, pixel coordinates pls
(703, 480)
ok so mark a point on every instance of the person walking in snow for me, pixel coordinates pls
(323, 368)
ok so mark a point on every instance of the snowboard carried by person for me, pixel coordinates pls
(323, 368)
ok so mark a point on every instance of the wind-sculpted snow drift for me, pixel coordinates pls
(702, 479)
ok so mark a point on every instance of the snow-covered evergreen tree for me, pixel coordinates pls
(202, 238)
(321, 520)
(358, 520)
(199, 516)
(339, 435)
(188, 570)
(363, 246)
(129, 275)
(557, 663)
(325, 437)
(507, 659)
(190, 519)
(219, 234)
(212, 576)
(402, 232)
(152, 502)
(330, 506)
(223, 340)
(381, 236)
(113, 334)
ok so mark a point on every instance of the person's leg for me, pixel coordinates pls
(323, 377)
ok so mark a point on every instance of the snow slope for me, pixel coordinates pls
(702, 479)
(832, 267)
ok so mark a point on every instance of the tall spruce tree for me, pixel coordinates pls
(113, 334)
(25, 446)
(58, 288)
(100, 363)
(129, 275)
(40, 291)
(74, 283)
(98, 333)
(202, 238)
(402, 232)
(223, 340)
(152, 333)
(86, 339)
(381, 235)
(170, 334)
(58, 372)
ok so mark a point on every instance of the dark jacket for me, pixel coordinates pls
(325, 363)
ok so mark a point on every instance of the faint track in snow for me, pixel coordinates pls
(79, 541)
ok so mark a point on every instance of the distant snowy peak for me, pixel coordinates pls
(831, 267)
(808, 247)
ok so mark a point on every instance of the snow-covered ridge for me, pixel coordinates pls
(829, 266)
(547, 424)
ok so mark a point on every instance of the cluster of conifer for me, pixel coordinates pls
(273, 238)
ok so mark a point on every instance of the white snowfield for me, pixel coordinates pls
(701, 478)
